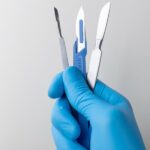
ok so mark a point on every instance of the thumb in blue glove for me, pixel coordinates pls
(110, 114)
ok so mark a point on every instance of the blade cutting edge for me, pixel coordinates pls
(102, 24)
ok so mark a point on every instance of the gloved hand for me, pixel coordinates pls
(110, 114)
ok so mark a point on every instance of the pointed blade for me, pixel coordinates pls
(80, 30)
(56, 14)
(58, 21)
(102, 24)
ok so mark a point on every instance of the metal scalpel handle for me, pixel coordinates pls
(63, 53)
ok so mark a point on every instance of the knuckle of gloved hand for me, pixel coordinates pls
(115, 114)
(128, 104)
(110, 116)
(56, 88)
(73, 131)
(124, 100)
(55, 114)
(61, 120)
(58, 114)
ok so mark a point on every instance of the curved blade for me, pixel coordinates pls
(80, 30)
(58, 21)
(102, 23)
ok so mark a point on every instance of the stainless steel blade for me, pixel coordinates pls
(80, 30)
(58, 21)
(102, 24)
(62, 42)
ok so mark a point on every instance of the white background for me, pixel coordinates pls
(30, 57)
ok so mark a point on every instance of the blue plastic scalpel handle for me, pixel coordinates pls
(79, 61)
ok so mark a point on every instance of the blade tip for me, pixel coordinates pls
(80, 15)
(108, 4)
(81, 10)
(55, 9)
(56, 12)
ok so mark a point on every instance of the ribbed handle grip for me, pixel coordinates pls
(79, 60)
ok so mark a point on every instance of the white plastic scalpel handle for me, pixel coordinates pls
(94, 67)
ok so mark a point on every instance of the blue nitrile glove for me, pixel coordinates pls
(110, 114)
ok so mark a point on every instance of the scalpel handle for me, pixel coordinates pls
(94, 67)
(79, 61)
(63, 53)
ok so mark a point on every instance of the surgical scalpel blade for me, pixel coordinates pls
(62, 42)
(97, 53)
